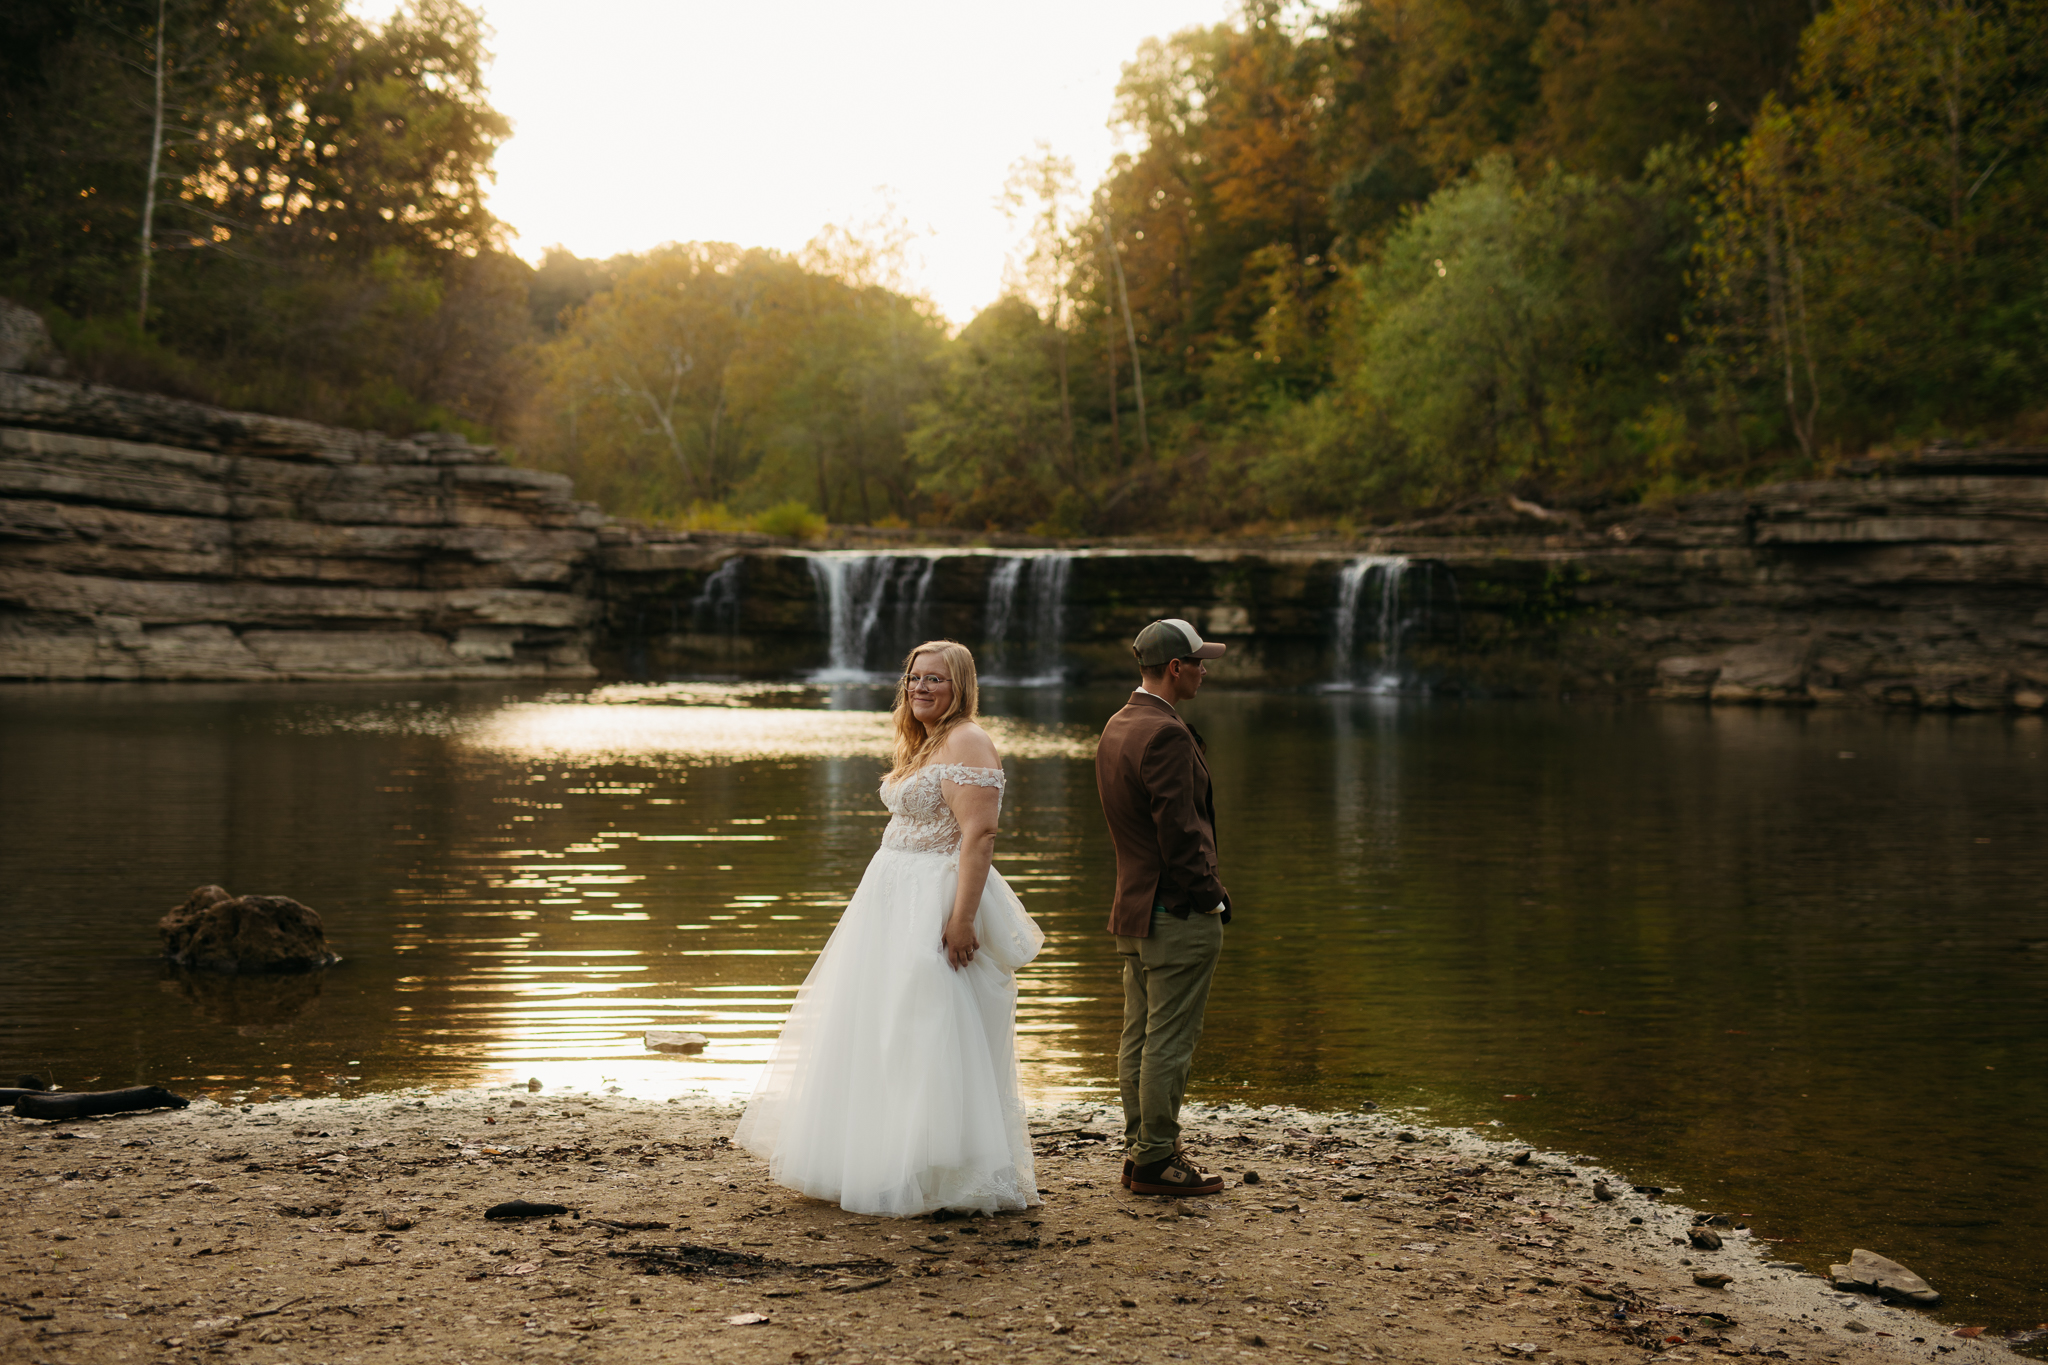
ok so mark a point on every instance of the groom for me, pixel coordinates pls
(1170, 909)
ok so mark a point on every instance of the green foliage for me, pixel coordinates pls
(705, 374)
(793, 519)
(1508, 331)
(1357, 261)
(1874, 267)
(1394, 256)
(318, 244)
(990, 446)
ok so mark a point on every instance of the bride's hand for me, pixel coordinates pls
(959, 942)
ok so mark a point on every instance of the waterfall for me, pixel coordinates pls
(1048, 614)
(864, 594)
(996, 612)
(1387, 602)
(1040, 581)
(876, 606)
(717, 604)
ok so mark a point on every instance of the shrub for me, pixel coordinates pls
(792, 519)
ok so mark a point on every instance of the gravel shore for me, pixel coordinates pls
(353, 1230)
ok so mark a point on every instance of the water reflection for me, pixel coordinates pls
(1783, 961)
(250, 1005)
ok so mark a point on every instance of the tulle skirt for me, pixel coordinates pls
(893, 1088)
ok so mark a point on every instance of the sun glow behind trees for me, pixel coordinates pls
(639, 122)
(1349, 263)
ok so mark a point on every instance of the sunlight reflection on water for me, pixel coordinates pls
(637, 723)
(575, 1016)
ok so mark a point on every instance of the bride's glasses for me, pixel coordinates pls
(927, 680)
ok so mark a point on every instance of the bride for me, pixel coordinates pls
(893, 1089)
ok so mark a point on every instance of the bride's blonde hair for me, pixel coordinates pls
(914, 743)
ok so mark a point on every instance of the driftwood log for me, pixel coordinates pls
(45, 1104)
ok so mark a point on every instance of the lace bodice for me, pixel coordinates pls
(922, 822)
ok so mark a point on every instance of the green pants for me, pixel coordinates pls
(1166, 988)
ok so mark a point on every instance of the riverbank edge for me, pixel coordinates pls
(1423, 1219)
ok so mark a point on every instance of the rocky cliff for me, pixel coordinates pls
(1917, 582)
(146, 537)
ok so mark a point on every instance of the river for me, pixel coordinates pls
(1792, 965)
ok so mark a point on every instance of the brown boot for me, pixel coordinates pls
(1177, 1175)
(1126, 1181)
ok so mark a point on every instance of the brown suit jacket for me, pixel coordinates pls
(1161, 810)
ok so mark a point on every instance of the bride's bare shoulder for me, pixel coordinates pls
(970, 746)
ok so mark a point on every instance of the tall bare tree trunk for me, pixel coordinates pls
(156, 151)
(1116, 431)
(1786, 285)
(1130, 334)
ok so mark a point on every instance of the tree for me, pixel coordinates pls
(291, 196)
(705, 373)
(1040, 190)
(990, 444)
(1509, 333)
(649, 384)
(1620, 78)
(1872, 267)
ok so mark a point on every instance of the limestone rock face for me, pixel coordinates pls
(1872, 1273)
(214, 931)
(144, 537)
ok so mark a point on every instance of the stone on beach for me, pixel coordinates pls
(215, 931)
(1877, 1274)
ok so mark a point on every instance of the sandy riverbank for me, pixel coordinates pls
(353, 1230)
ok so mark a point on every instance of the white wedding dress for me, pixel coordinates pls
(893, 1088)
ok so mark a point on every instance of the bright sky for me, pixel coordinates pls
(638, 122)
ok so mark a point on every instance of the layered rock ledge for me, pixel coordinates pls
(151, 538)
(144, 537)
(1919, 582)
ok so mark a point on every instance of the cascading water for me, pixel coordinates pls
(1049, 574)
(874, 604)
(1041, 581)
(1384, 602)
(1352, 585)
(996, 612)
(717, 604)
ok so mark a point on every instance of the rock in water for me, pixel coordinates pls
(1877, 1274)
(214, 931)
(668, 1040)
(1705, 1239)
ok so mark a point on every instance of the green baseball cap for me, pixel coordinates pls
(1164, 641)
